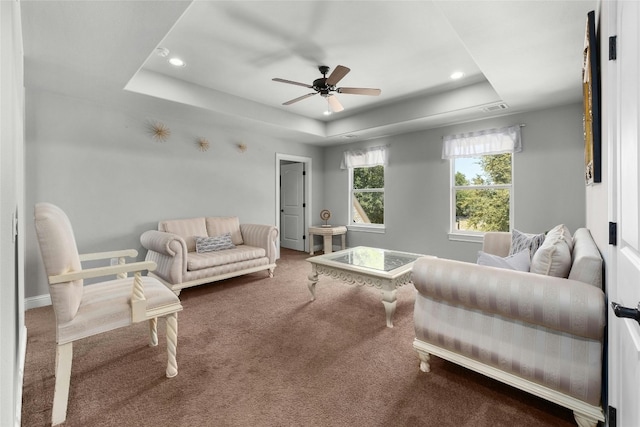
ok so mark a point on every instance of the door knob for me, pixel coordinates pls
(629, 313)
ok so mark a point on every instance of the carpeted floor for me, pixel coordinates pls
(254, 351)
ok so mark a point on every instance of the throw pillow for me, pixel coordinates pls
(521, 241)
(225, 224)
(215, 243)
(553, 258)
(561, 231)
(519, 261)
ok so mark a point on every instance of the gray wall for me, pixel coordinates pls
(548, 181)
(97, 161)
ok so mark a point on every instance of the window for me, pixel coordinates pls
(482, 193)
(367, 195)
(366, 186)
(482, 179)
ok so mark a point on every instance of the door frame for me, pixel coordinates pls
(307, 192)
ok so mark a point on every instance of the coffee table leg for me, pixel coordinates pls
(313, 279)
(389, 300)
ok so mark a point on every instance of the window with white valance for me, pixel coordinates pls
(366, 183)
(481, 180)
(364, 158)
(481, 143)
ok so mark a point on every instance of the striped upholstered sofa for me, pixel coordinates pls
(539, 333)
(195, 251)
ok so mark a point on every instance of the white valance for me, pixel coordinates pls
(364, 158)
(474, 144)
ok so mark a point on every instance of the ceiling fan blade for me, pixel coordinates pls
(300, 98)
(338, 73)
(359, 91)
(336, 107)
(291, 82)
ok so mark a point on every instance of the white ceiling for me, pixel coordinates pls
(527, 54)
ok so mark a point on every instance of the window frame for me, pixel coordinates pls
(471, 235)
(373, 228)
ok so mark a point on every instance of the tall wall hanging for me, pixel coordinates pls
(591, 98)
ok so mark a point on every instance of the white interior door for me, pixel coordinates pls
(292, 206)
(624, 280)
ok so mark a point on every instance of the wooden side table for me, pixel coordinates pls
(327, 233)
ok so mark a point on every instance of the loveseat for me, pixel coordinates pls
(195, 251)
(537, 332)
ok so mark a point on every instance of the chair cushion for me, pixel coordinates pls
(196, 261)
(187, 229)
(106, 306)
(59, 255)
(219, 225)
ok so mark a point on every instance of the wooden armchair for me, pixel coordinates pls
(82, 311)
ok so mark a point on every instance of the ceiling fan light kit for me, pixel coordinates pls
(326, 87)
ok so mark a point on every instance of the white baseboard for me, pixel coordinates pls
(35, 302)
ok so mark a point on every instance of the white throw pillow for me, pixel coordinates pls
(553, 258)
(562, 232)
(519, 261)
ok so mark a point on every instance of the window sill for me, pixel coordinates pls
(469, 238)
(367, 228)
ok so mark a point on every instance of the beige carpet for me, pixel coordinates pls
(254, 351)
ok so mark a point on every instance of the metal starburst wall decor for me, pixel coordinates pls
(203, 144)
(159, 131)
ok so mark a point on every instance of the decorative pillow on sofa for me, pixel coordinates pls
(215, 243)
(561, 231)
(553, 258)
(521, 241)
(519, 261)
(225, 224)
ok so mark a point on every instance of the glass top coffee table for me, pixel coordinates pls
(380, 268)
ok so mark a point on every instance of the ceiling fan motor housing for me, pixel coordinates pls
(320, 85)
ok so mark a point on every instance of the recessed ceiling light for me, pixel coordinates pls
(327, 113)
(177, 62)
(457, 75)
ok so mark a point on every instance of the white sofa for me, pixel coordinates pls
(539, 333)
(173, 247)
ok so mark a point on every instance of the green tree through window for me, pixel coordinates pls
(483, 202)
(368, 195)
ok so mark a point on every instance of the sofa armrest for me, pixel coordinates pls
(261, 236)
(563, 305)
(168, 251)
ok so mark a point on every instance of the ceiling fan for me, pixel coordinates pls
(326, 87)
